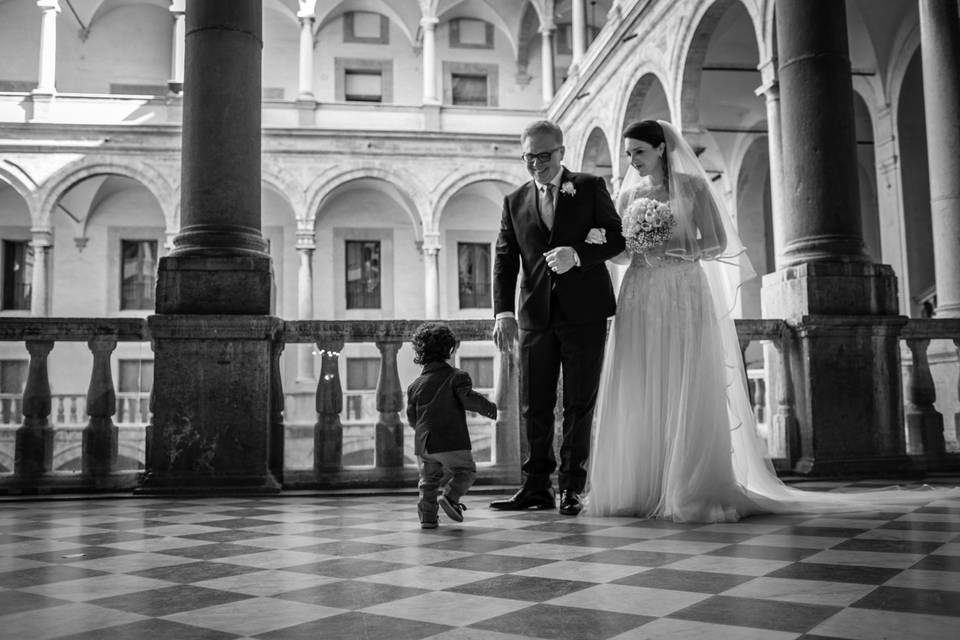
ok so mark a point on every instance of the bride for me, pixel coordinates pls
(675, 434)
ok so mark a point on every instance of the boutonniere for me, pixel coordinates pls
(568, 189)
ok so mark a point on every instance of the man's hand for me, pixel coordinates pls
(561, 259)
(505, 334)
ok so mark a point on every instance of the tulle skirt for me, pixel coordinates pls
(662, 445)
(675, 436)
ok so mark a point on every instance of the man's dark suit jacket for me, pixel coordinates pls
(436, 402)
(584, 293)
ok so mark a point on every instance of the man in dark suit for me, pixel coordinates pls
(565, 299)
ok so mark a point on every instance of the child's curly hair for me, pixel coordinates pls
(433, 342)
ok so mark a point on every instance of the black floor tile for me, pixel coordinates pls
(153, 628)
(522, 587)
(762, 614)
(924, 601)
(350, 594)
(344, 548)
(563, 623)
(347, 568)
(45, 575)
(194, 572)
(17, 601)
(492, 562)
(213, 551)
(79, 554)
(360, 626)
(697, 581)
(940, 563)
(834, 573)
(635, 558)
(587, 540)
(888, 546)
(168, 600)
(761, 552)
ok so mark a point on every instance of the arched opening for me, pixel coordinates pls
(914, 171)
(597, 158)
(755, 220)
(647, 101)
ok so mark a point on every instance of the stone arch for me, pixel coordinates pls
(640, 103)
(596, 155)
(106, 6)
(457, 181)
(150, 177)
(21, 182)
(755, 217)
(287, 187)
(906, 44)
(702, 28)
(324, 17)
(483, 11)
(412, 194)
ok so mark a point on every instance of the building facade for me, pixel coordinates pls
(390, 136)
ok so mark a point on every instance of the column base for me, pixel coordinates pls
(212, 285)
(830, 288)
(306, 111)
(431, 116)
(213, 405)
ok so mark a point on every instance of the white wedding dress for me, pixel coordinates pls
(675, 435)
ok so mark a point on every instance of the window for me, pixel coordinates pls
(366, 27)
(470, 84)
(17, 274)
(480, 370)
(363, 85)
(363, 80)
(469, 89)
(363, 274)
(474, 275)
(13, 379)
(138, 274)
(468, 33)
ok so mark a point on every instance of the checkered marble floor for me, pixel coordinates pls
(291, 567)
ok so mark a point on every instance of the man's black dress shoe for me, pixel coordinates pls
(570, 504)
(526, 499)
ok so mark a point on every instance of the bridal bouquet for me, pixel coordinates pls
(647, 223)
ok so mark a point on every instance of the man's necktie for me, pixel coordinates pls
(546, 205)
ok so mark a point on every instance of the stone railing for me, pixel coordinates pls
(103, 431)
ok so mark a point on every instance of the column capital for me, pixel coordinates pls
(308, 9)
(306, 240)
(49, 5)
(178, 7)
(431, 242)
(429, 22)
(547, 29)
(42, 237)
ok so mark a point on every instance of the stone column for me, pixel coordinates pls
(546, 61)
(845, 357)
(178, 8)
(216, 390)
(431, 275)
(429, 24)
(770, 90)
(306, 245)
(579, 36)
(46, 82)
(940, 52)
(39, 292)
(305, 83)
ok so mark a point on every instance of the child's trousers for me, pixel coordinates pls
(463, 470)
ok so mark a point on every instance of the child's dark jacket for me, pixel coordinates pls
(436, 402)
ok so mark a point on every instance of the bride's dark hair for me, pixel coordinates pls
(651, 132)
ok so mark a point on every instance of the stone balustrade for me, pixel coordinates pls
(103, 429)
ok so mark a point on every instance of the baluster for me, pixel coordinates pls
(924, 422)
(122, 410)
(507, 396)
(33, 451)
(328, 432)
(389, 434)
(100, 436)
(785, 431)
(73, 409)
(60, 411)
(277, 441)
(956, 416)
(760, 399)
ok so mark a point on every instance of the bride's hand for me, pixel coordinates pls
(596, 236)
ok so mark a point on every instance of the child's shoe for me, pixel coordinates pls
(453, 509)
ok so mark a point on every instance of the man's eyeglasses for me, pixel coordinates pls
(542, 157)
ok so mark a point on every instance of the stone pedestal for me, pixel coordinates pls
(214, 404)
(844, 361)
(215, 285)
